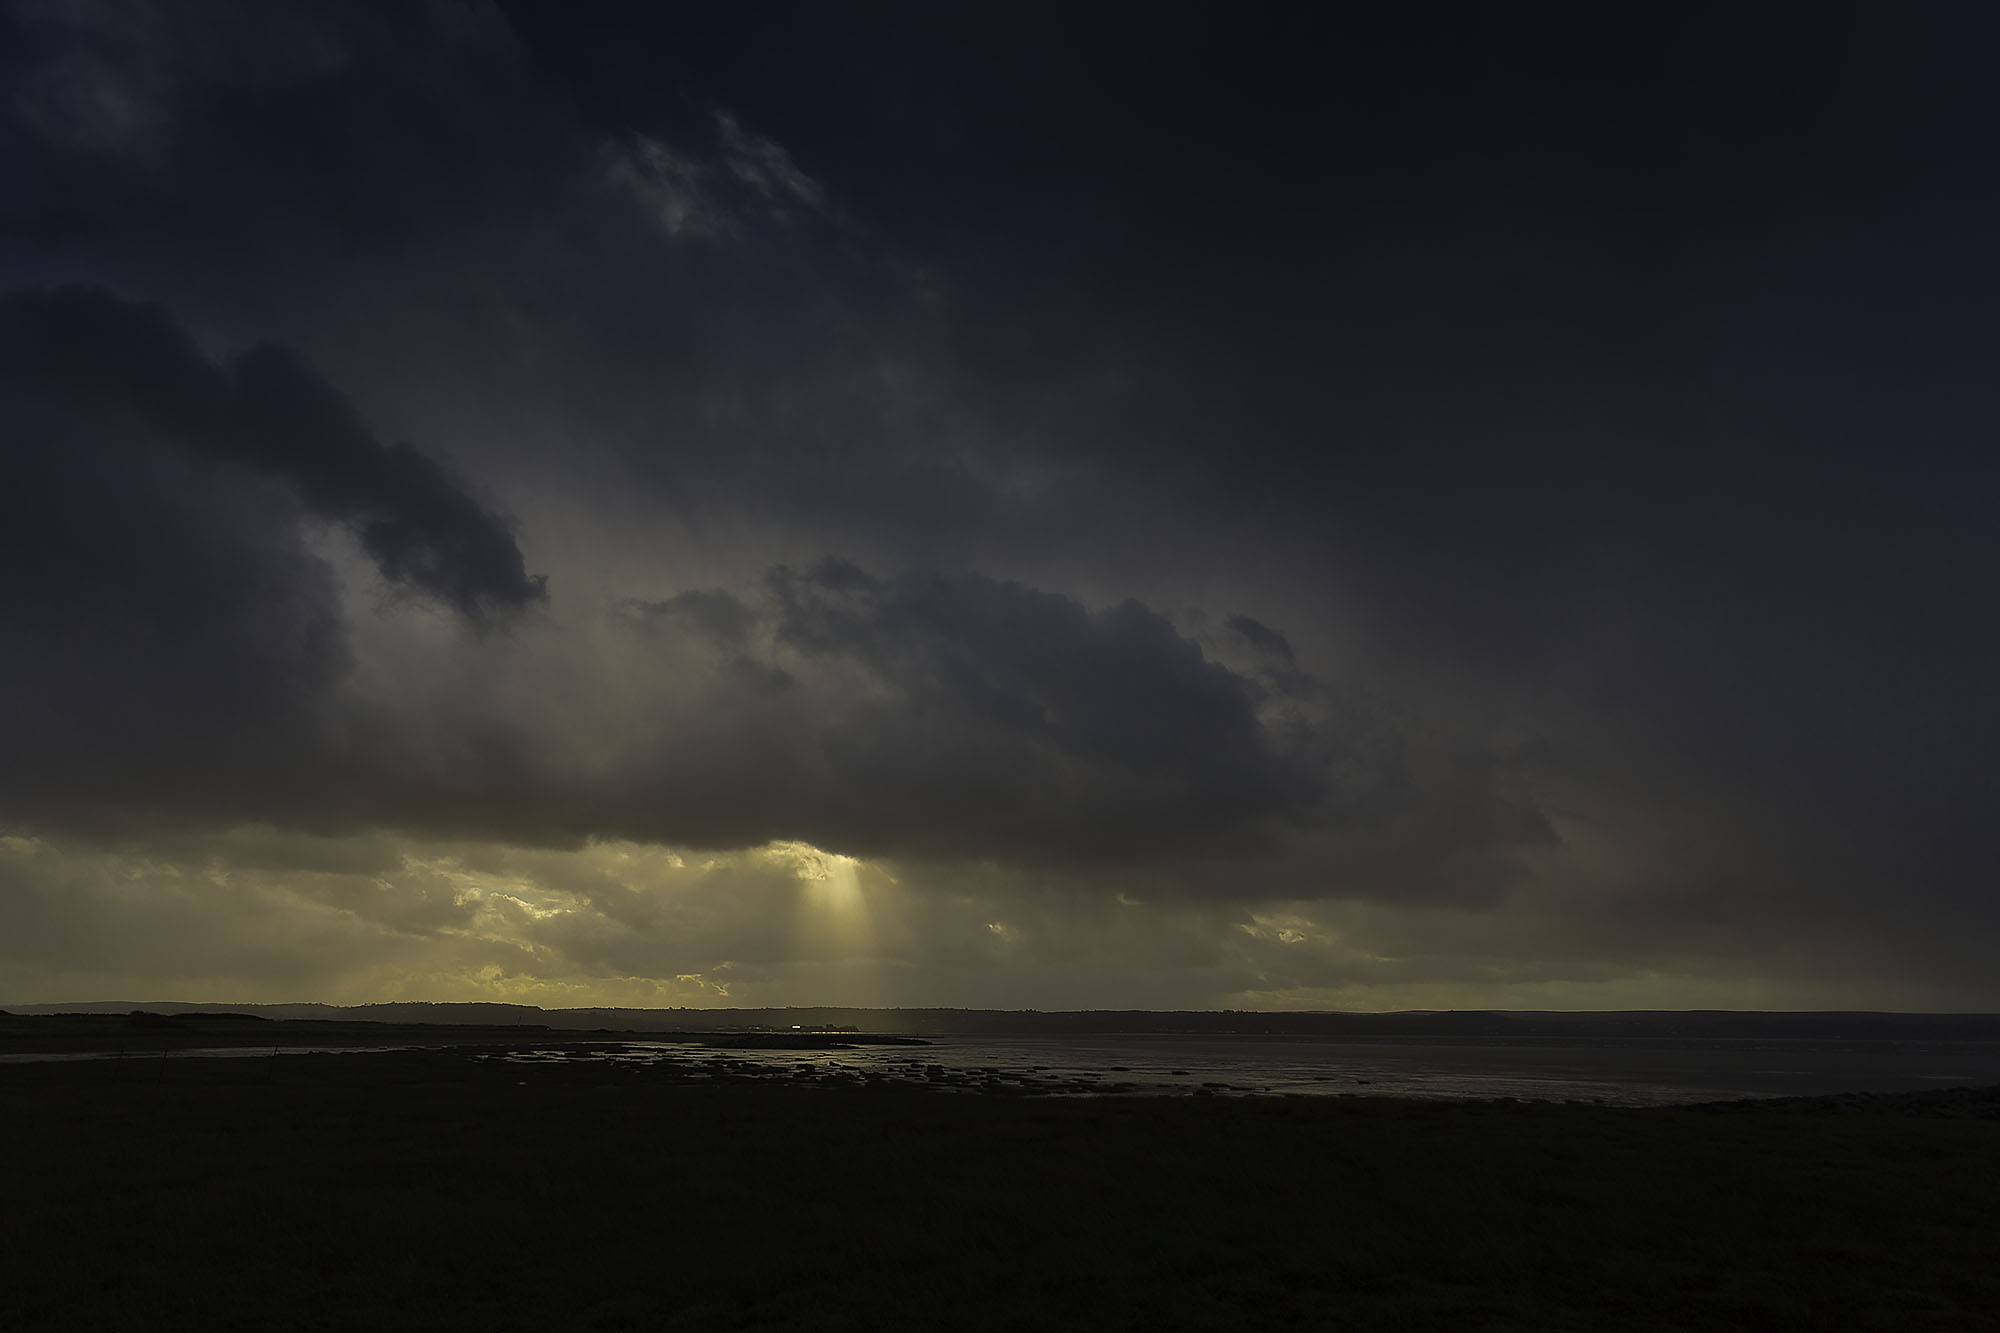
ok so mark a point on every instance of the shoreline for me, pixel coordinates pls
(726, 1058)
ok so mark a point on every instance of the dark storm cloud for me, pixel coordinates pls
(169, 640)
(418, 523)
(251, 125)
(1276, 666)
(174, 645)
(719, 614)
(1266, 641)
(97, 355)
(921, 714)
(990, 719)
(942, 716)
(1102, 730)
(1576, 424)
(951, 718)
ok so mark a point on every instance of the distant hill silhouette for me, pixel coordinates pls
(1476, 1024)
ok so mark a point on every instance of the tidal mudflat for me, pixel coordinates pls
(451, 1189)
(1630, 1073)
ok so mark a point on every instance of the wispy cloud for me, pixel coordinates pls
(766, 167)
(670, 185)
(742, 180)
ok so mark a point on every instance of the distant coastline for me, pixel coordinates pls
(1702, 1024)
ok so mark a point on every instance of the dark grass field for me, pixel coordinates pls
(435, 1190)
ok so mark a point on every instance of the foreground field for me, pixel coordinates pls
(434, 1190)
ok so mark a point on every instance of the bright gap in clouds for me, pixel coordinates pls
(833, 916)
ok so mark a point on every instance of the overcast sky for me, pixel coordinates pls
(1087, 506)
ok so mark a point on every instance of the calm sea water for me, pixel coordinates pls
(1636, 1073)
(1640, 1072)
